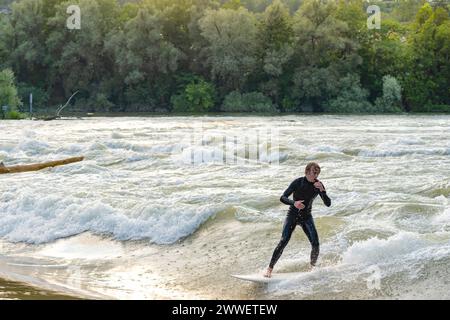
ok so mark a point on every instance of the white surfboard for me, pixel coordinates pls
(276, 277)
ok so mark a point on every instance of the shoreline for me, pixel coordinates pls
(148, 115)
(15, 290)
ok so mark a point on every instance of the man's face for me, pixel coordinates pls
(312, 175)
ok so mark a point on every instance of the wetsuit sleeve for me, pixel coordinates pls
(285, 197)
(326, 200)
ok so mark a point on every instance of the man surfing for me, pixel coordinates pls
(305, 190)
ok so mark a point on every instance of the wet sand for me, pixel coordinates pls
(11, 290)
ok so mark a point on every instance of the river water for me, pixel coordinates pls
(169, 207)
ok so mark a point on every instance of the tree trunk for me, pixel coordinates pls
(37, 166)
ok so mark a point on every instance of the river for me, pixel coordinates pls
(169, 207)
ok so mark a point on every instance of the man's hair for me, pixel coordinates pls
(312, 166)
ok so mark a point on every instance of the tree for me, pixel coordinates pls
(77, 58)
(428, 76)
(323, 54)
(28, 52)
(230, 48)
(275, 40)
(406, 10)
(383, 52)
(145, 60)
(392, 96)
(8, 91)
(6, 39)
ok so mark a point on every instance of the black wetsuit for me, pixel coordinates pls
(302, 190)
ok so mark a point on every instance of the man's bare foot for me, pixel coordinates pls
(268, 273)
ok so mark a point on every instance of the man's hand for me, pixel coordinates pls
(319, 186)
(299, 205)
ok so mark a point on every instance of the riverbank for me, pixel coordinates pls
(12, 290)
(50, 114)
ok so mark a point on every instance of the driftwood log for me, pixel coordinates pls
(37, 166)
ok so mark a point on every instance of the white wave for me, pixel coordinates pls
(27, 133)
(212, 154)
(409, 141)
(375, 250)
(138, 147)
(84, 246)
(395, 152)
(73, 149)
(273, 157)
(32, 218)
(441, 200)
(199, 155)
(3, 154)
(33, 147)
(328, 149)
(137, 157)
(443, 219)
(247, 214)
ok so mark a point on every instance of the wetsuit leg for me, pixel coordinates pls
(310, 230)
(288, 228)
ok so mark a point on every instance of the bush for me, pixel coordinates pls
(101, 103)
(436, 108)
(351, 99)
(392, 96)
(8, 91)
(15, 115)
(247, 102)
(196, 97)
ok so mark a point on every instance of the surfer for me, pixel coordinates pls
(305, 190)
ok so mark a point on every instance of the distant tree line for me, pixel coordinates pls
(233, 56)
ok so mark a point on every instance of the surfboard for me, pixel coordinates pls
(259, 278)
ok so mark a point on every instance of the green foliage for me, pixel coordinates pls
(101, 103)
(274, 51)
(231, 50)
(440, 108)
(392, 96)
(144, 60)
(383, 52)
(8, 91)
(84, 70)
(275, 29)
(351, 98)
(14, 115)
(406, 10)
(40, 96)
(27, 45)
(301, 55)
(428, 77)
(232, 4)
(324, 53)
(139, 98)
(247, 102)
(6, 36)
(196, 97)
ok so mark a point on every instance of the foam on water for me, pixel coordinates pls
(31, 218)
(377, 250)
(386, 176)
